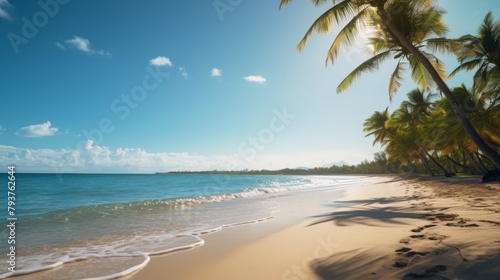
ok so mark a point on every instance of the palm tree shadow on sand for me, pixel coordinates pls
(367, 214)
(362, 263)
(375, 262)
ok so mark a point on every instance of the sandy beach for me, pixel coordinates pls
(392, 228)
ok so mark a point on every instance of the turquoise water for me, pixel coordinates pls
(102, 226)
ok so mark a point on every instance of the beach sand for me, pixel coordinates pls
(392, 228)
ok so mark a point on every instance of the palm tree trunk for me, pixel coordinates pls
(461, 116)
(465, 168)
(464, 157)
(446, 173)
(474, 163)
(452, 167)
(426, 164)
(478, 156)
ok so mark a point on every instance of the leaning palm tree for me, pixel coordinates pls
(411, 121)
(402, 27)
(481, 52)
(484, 114)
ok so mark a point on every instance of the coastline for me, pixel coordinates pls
(392, 228)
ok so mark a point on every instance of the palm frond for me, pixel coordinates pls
(437, 64)
(396, 79)
(419, 74)
(469, 65)
(432, 22)
(367, 66)
(323, 23)
(444, 45)
(346, 35)
(284, 3)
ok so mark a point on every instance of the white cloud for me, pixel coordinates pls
(4, 6)
(38, 130)
(255, 79)
(95, 158)
(60, 45)
(92, 158)
(81, 44)
(183, 72)
(104, 53)
(216, 72)
(160, 61)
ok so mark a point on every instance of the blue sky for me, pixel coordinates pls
(145, 86)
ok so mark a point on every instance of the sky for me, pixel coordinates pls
(147, 86)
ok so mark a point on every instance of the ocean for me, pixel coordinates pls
(98, 226)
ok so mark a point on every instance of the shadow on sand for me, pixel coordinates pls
(355, 264)
(372, 264)
(368, 215)
(441, 260)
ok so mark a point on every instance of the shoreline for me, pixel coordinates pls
(223, 242)
(116, 255)
(392, 228)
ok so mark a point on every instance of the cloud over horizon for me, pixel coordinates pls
(160, 61)
(81, 44)
(255, 79)
(92, 158)
(38, 130)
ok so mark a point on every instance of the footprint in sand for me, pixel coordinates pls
(401, 263)
(403, 250)
(424, 276)
(413, 253)
(441, 216)
(437, 269)
(419, 229)
(408, 252)
(437, 237)
(490, 222)
(461, 225)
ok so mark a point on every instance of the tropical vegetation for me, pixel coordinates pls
(459, 132)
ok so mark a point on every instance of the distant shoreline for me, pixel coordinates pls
(287, 171)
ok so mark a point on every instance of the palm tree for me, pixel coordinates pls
(402, 26)
(380, 161)
(481, 52)
(419, 104)
(411, 121)
(376, 125)
(484, 114)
